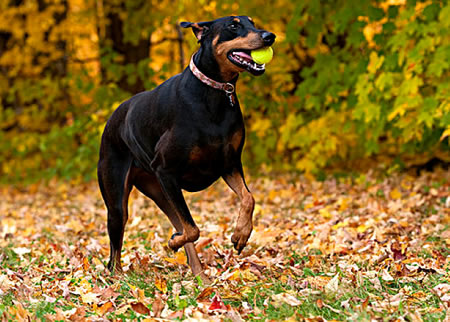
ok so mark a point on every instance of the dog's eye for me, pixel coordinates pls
(234, 26)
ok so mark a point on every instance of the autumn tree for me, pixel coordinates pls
(34, 92)
(124, 50)
(350, 80)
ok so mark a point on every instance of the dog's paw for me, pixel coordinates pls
(178, 239)
(240, 237)
(115, 268)
(175, 243)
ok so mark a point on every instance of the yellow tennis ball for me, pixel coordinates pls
(263, 55)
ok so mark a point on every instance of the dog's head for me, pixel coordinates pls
(230, 40)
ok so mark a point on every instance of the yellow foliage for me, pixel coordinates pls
(375, 62)
(260, 126)
(445, 134)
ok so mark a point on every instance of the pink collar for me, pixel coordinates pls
(226, 87)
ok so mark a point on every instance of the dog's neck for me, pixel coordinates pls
(207, 64)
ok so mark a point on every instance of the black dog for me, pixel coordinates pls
(184, 134)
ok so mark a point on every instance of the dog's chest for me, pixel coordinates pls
(218, 146)
(205, 166)
(214, 149)
(210, 159)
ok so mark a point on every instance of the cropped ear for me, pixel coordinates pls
(200, 29)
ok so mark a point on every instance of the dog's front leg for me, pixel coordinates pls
(244, 225)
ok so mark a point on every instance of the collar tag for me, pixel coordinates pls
(231, 98)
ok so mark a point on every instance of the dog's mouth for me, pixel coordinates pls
(242, 59)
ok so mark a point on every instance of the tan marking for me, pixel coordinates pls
(244, 223)
(199, 33)
(196, 154)
(248, 202)
(252, 41)
(190, 234)
(236, 139)
(215, 40)
(250, 18)
(237, 20)
(228, 70)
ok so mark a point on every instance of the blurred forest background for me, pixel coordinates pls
(351, 80)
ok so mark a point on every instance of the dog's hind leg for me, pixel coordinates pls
(113, 176)
(149, 185)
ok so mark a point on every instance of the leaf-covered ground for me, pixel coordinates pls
(356, 247)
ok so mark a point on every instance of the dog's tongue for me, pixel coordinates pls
(243, 55)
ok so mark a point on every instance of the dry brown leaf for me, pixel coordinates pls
(157, 307)
(205, 293)
(140, 308)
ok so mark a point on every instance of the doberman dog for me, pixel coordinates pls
(183, 135)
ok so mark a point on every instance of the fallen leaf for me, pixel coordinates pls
(386, 276)
(122, 309)
(140, 308)
(362, 228)
(176, 315)
(398, 251)
(395, 194)
(205, 293)
(180, 259)
(285, 298)
(79, 314)
(21, 251)
(443, 291)
(161, 284)
(202, 243)
(333, 285)
(365, 303)
(108, 293)
(85, 263)
(21, 311)
(105, 308)
(325, 213)
(217, 303)
(89, 297)
(157, 307)
(319, 303)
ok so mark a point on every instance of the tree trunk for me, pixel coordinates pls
(131, 53)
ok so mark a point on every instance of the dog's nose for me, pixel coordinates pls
(268, 38)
